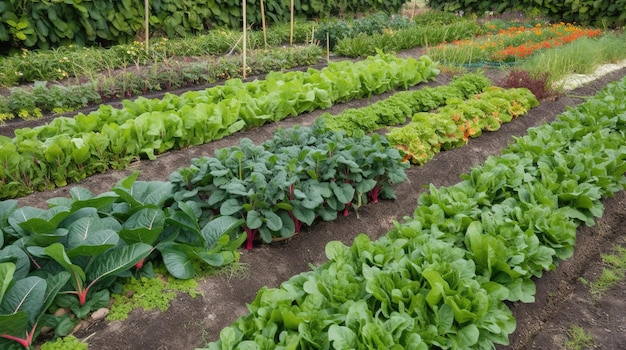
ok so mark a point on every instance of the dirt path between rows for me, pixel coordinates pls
(560, 300)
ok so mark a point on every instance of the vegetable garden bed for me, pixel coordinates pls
(190, 322)
(258, 189)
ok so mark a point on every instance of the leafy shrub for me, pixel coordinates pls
(435, 17)
(536, 83)
(375, 24)
(406, 38)
(600, 13)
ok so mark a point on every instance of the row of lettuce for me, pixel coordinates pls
(71, 149)
(45, 98)
(74, 253)
(443, 278)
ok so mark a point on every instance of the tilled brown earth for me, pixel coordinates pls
(561, 299)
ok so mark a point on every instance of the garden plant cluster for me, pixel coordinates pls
(70, 149)
(90, 241)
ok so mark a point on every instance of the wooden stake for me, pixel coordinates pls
(291, 31)
(245, 39)
(327, 48)
(263, 23)
(147, 15)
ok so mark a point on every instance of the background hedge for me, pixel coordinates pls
(50, 23)
(602, 13)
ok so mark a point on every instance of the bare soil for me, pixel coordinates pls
(561, 299)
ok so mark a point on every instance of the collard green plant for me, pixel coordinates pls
(299, 175)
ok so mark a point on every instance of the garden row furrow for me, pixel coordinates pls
(441, 278)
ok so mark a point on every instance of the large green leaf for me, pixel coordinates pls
(143, 226)
(57, 252)
(89, 236)
(6, 209)
(26, 295)
(53, 285)
(478, 245)
(14, 324)
(42, 222)
(116, 260)
(218, 227)
(213, 259)
(154, 192)
(303, 214)
(186, 220)
(288, 225)
(6, 277)
(150, 193)
(342, 337)
(176, 260)
(343, 192)
(17, 256)
(272, 220)
(253, 219)
(84, 199)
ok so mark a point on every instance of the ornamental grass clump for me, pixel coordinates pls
(575, 58)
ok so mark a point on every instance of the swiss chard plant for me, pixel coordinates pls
(23, 305)
(71, 254)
